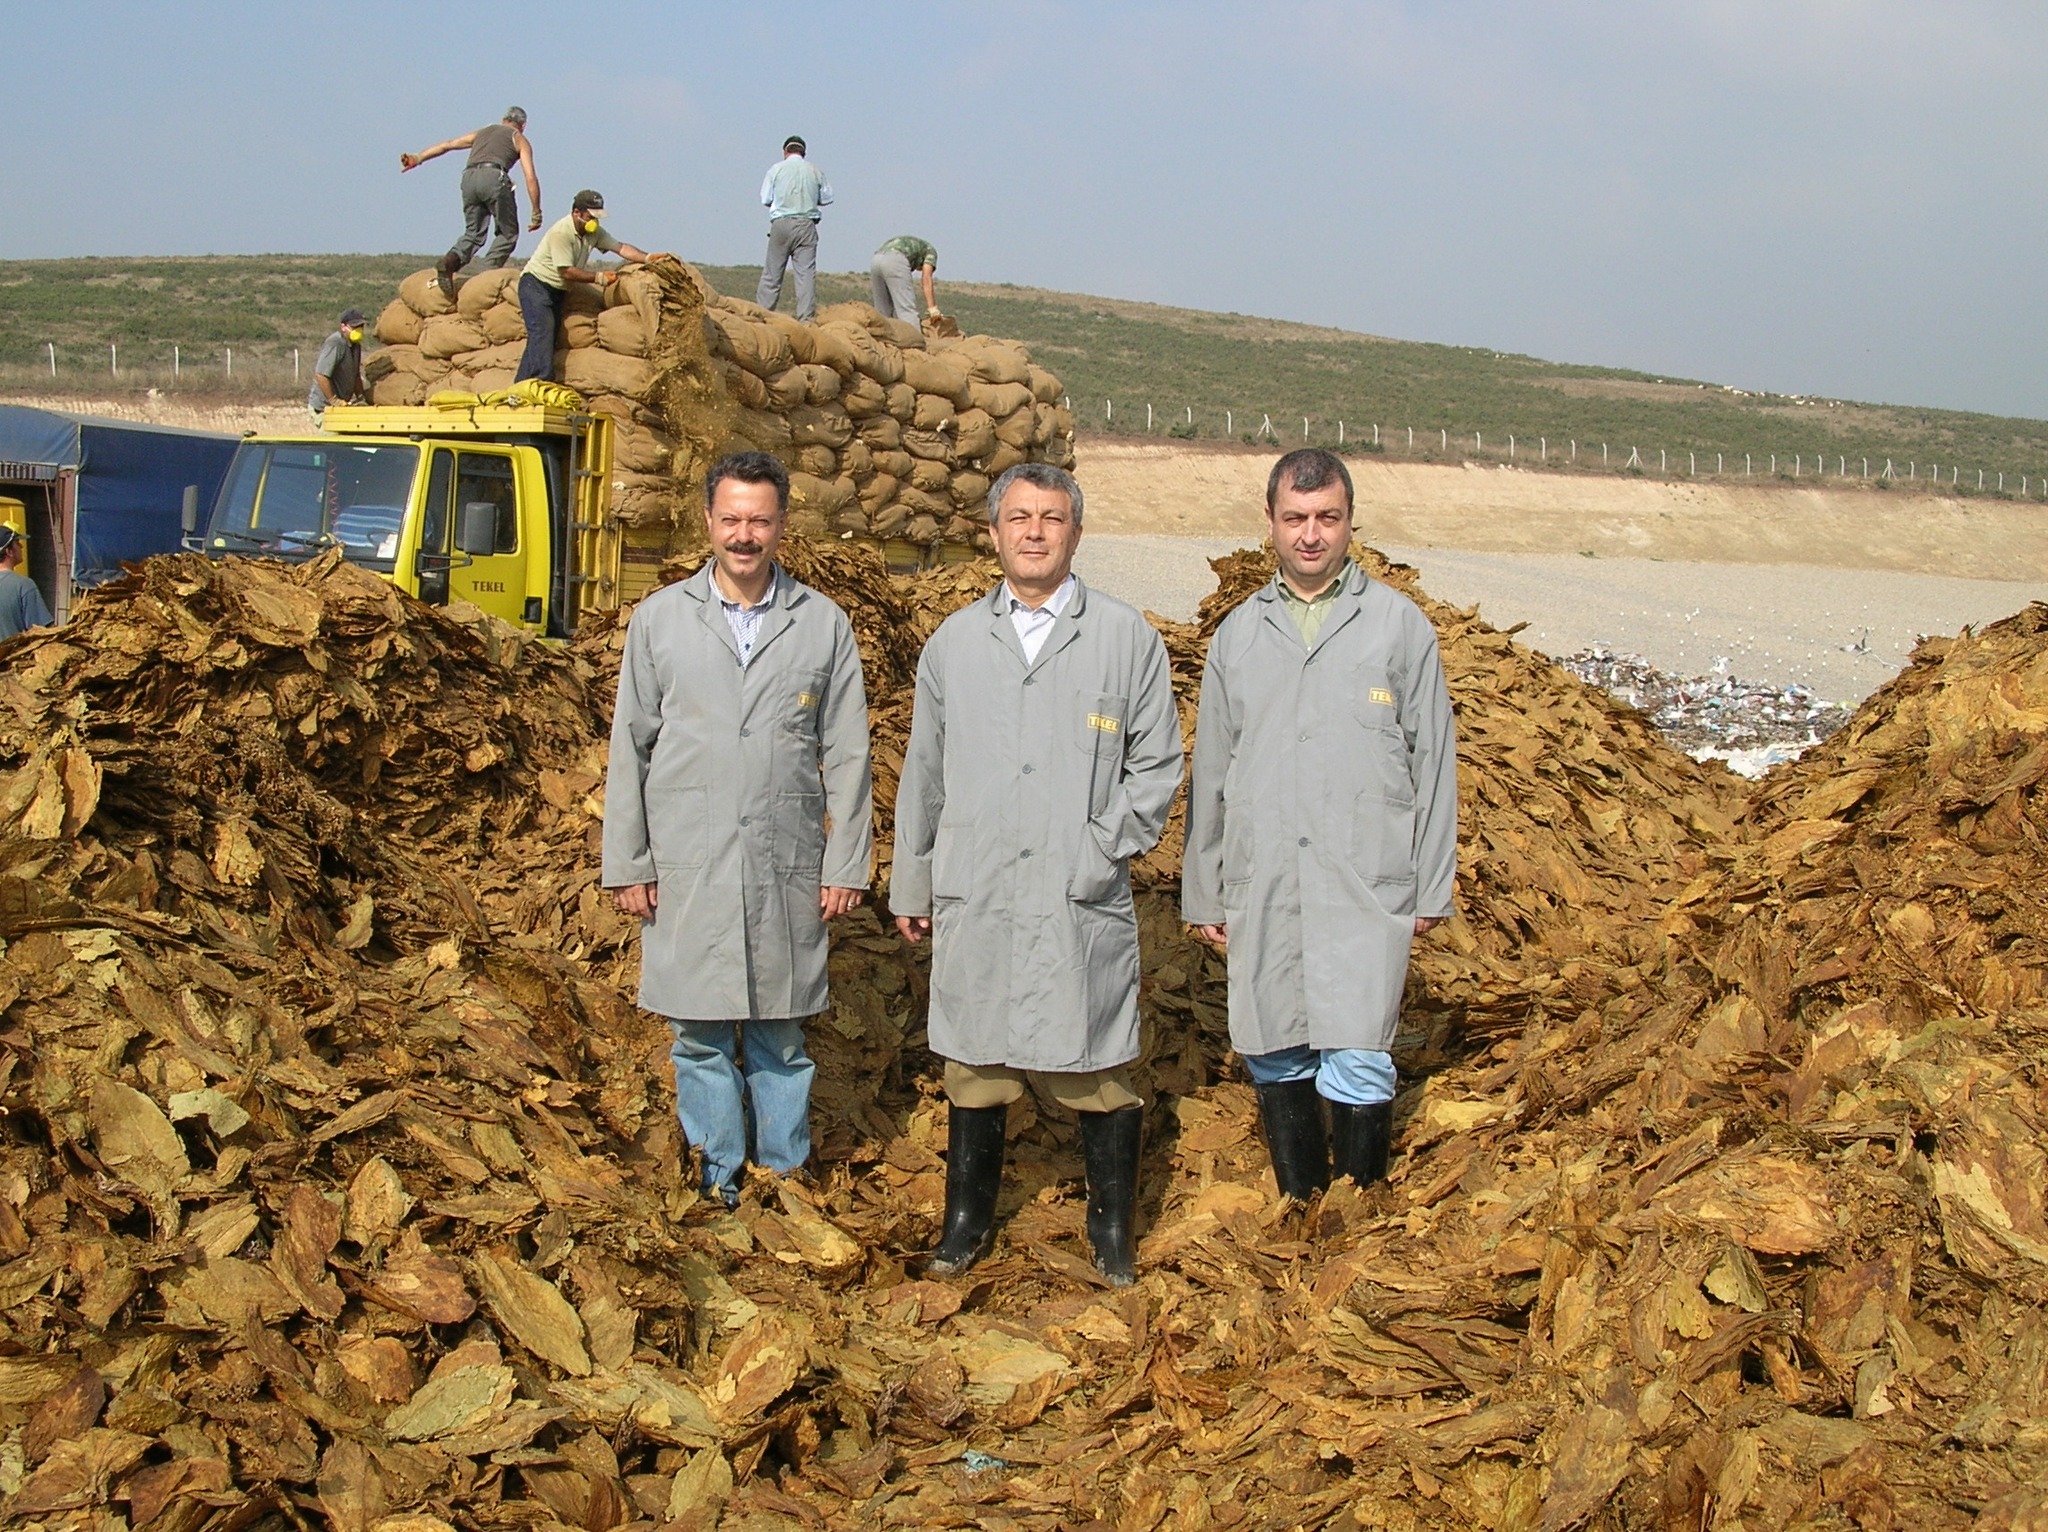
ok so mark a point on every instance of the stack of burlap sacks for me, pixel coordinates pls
(888, 435)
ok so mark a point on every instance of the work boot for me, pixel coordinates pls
(1109, 1145)
(444, 274)
(1291, 1112)
(974, 1174)
(1360, 1137)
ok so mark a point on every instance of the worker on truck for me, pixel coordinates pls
(487, 195)
(563, 258)
(338, 369)
(21, 603)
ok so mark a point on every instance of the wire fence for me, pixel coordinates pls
(131, 367)
(1833, 464)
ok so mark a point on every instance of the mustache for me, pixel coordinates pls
(746, 547)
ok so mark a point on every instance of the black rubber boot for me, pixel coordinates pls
(1109, 1144)
(974, 1174)
(1361, 1137)
(1291, 1112)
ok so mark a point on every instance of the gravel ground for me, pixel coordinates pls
(1841, 633)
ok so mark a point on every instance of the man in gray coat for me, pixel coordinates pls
(737, 820)
(1322, 827)
(1044, 754)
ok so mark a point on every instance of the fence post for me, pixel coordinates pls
(1478, 443)
(1575, 447)
(1745, 465)
(1603, 454)
(1841, 466)
(1444, 445)
(1108, 411)
(231, 361)
(295, 364)
(1375, 433)
(1980, 478)
(1866, 468)
(1692, 465)
(1304, 428)
(1229, 426)
(1511, 446)
(1340, 433)
(1266, 427)
(177, 364)
(1148, 417)
(1543, 449)
(1191, 414)
(53, 356)
(1663, 460)
(1717, 465)
(114, 359)
(2001, 484)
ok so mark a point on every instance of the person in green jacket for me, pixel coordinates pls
(890, 272)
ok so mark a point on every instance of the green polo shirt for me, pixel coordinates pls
(1309, 616)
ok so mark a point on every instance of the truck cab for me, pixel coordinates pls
(506, 506)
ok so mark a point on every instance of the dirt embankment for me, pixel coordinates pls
(1195, 491)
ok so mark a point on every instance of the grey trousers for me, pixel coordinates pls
(792, 243)
(487, 199)
(895, 290)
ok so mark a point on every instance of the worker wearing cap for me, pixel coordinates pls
(487, 195)
(793, 191)
(890, 271)
(338, 370)
(1322, 832)
(21, 603)
(562, 257)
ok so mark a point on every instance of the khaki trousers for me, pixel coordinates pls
(985, 1085)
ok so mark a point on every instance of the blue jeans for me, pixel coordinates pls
(1348, 1076)
(734, 1074)
(541, 307)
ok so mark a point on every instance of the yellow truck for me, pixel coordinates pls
(506, 505)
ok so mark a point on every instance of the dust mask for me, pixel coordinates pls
(590, 226)
(355, 337)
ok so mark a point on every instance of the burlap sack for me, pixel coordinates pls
(493, 358)
(933, 446)
(1059, 452)
(759, 429)
(888, 520)
(940, 375)
(593, 370)
(878, 491)
(933, 478)
(881, 431)
(1018, 430)
(852, 343)
(886, 364)
(491, 380)
(857, 458)
(398, 389)
(899, 333)
(970, 490)
(893, 460)
(932, 413)
(637, 449)
(801, 338)
(1001, 399)
(820, 462)
(825, 425)
(486, 288)
(974, 436)
(409, 361)
(861, 395)
(749, 390)
(503, 322)
(622, 331)
(1045, 388)
(449, 335)
(960, 529)
(825, 496)
(805, 522)
(821, 383)
(582, 298)
(852, 520)
(922, 528)
(422, 294)
(760, 348)
(1062, 423)
(996, 361)
(577, 331)
(1048, 424)
(641, 500)
(829, 347)
(902, 400)
(787, 389)
(1003, 459)
(397, 325)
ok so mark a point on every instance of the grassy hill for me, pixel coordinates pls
(1129, 354)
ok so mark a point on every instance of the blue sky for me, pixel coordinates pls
(1797, 195)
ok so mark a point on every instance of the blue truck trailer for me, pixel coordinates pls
(99, 493)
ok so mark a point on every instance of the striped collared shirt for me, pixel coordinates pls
(744, 620)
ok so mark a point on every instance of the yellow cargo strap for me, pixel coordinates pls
(533, 391)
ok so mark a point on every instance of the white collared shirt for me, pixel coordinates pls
(1035, 624)
(744, 620)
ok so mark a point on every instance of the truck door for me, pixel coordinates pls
(463, 482)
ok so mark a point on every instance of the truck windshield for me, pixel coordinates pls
(294, 499)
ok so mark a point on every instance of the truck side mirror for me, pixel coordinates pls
(188, 514)
(478, 531)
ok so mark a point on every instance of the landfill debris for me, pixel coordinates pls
(892, 435)
(341, 1184)
(1749, 726)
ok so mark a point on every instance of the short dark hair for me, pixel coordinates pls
(792, 143)
(1307, 469)
(749, 468)
(1041, 476)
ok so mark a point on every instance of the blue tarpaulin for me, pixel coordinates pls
(131, 479)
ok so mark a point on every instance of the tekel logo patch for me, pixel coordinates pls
(1381, 694)
(806, 699)
(1106, 724)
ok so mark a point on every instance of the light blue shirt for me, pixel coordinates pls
(1034, 624)
(744, 620)
(794, 188)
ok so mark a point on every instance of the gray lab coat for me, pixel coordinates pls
(1323, 813)
(739, 792)
(1025, 793)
